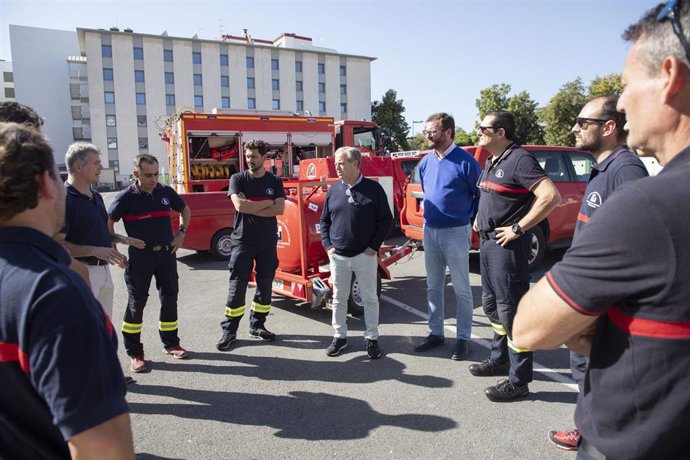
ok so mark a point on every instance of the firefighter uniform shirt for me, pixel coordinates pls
(252, 229)
(630, 265)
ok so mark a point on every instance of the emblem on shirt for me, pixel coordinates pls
(594, 200)
(165, 201)
(270, 191)
(499, 173)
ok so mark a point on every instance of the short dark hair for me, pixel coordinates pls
(24, 155)
(505, 120)
(144, 158)
(447, 121)
(15, 112)
(609, 112)
(659, 38)
(256, 144)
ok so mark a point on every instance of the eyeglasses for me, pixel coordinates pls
(150, 175)
(670, 11)
(350, 198)
(432, 132)
(483, 129)
(582, 121)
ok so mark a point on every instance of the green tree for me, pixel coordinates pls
(463, 138)
(559, 115)
(608, 85)
(388, 115)
(495, 97)
(521, 105)
(418, 142)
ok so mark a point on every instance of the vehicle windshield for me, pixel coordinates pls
(367, 138)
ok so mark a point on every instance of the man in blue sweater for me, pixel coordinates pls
(449, 177)
(355, 220)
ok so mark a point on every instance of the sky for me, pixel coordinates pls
(437, 55)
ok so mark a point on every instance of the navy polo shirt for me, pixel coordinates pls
(59, 372)
(619, 167)
(630, 265)
(506, 186)
(86, 219)
(147, 215)
(249, 228)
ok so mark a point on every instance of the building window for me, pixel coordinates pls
(224, 59)
(250, 82)
(196, 58)
(298, 66)
(143, 143)
(343, 107)
(322, 87)
(343, 70)
(298, 86)
(8, 77)
(110, 120)
(224, 81)
(141, 98)
(322, 68)
(109, 97)
(141, 121)
(343, 89)
(275, 84)
(276, 104)
(112, 142)
(169, 78)
(250, 62)
(198, 101)
(225, 102)
(300, 106)
(167, 55)
(138, 53)
(9, 93)
(251, 103)
(169, 99)
(139, 75)
(106, 51)
(322, 106)
(274, 64)
(197, 79)
(108, 74)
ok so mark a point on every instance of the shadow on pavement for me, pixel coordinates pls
(301, 415)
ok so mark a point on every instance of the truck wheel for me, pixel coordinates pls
(221, 244)
(538, 247)
(354, 304)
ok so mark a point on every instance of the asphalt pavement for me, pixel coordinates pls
(287, 399)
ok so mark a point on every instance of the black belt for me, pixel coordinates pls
(157, 247)
(487, 235)
(592, 451)
(91, 261)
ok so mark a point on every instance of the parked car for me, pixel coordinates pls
(567, 167)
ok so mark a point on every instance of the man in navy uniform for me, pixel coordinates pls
(63, 393)
(145, 208)
(258, 197)
(621, 293)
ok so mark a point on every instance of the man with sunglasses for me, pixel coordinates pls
(516, 194)
(599, 130)
(621, 293)
(145, 207)
(449, 177)
(356, 218)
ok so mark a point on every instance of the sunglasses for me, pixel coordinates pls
(582, 121)
(483, 129)
(350, 198)
(670, 11)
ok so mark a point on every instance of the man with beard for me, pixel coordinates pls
(63, 394)
(449, 178)
(258, 197)
(621, 293)
(599, 130)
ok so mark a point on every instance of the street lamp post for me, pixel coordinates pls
(414, 123)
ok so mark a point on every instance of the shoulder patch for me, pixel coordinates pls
(594, 200)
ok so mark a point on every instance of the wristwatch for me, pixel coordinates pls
(183, 229)
(517, 229)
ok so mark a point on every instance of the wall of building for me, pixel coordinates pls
(6, 81)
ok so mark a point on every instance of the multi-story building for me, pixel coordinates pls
(6, 81)
(120, 83)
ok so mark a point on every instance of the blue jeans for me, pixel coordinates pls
(448, 247)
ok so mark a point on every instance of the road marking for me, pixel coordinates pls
(547, 372)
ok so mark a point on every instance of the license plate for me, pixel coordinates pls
(278, 284)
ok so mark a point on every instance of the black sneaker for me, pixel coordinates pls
(431, 341)
(506, 391)
(262, 334)
(462, 349)
(336, 347)
(225, 341)
(489, 368)
(373, 349)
